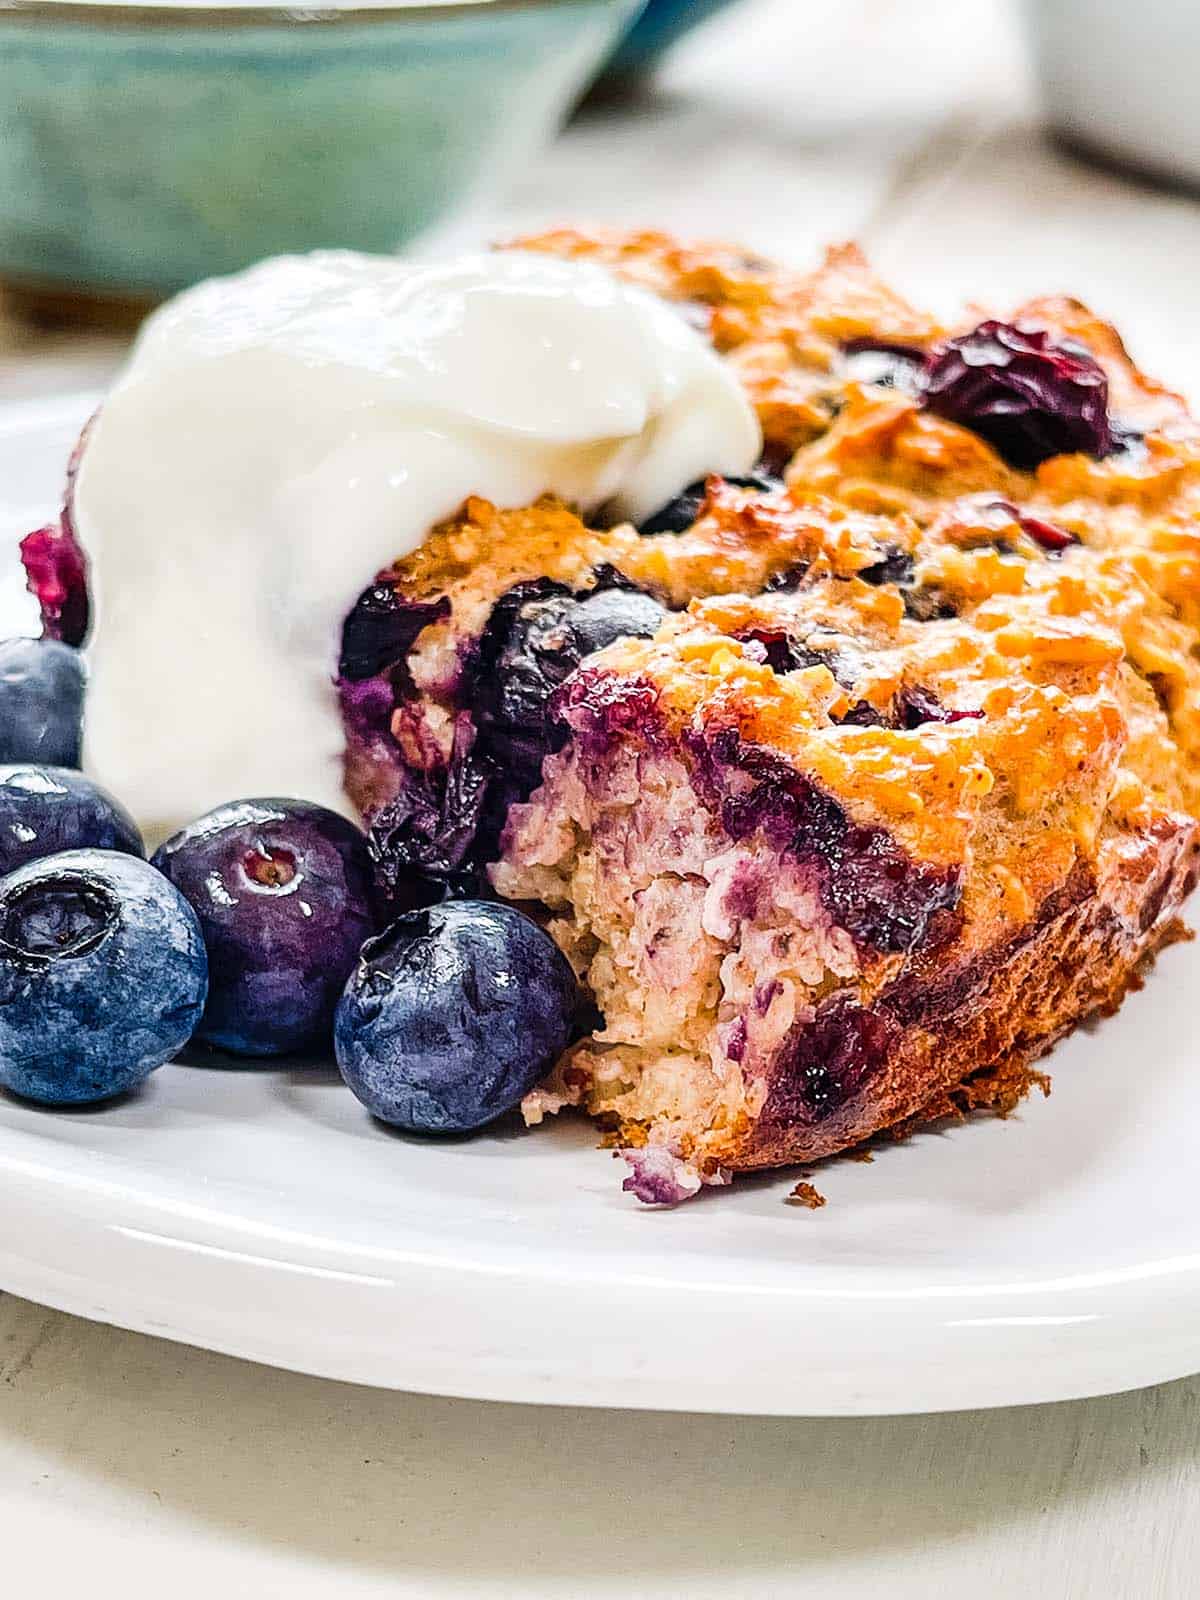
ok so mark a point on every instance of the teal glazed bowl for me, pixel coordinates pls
(660, 25)
(144, 146)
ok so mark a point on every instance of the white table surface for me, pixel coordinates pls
(132, 1467)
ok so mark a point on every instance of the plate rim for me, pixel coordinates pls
(81, 1242)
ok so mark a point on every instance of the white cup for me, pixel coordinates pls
(1121, 79)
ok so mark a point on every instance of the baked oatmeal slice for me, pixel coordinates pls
(891, 778)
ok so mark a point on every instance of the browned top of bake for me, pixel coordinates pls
(781, 330)
(1084, 665)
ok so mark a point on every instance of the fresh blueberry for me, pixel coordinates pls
(678, 515)
(47, 809)
(283, 892)
(102, 975)
(1030, 396)
(453, 1015)
(41, 701)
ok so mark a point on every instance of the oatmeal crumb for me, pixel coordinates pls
(805, 1195)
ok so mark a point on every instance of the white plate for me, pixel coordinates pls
(262, 1213)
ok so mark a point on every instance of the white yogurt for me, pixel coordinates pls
(279, 437)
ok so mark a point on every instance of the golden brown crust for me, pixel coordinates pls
(970, 1037)
(781, 330)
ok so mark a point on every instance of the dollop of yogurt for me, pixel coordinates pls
(281, 436)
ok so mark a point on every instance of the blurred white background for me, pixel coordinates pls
(911, 125)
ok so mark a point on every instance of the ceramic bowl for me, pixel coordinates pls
(1119, 80)
(658, 27)
(145, 145)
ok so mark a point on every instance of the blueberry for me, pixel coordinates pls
(678, 515)
(47, 809)
(789, 580)
(887, 363)
(283, 892)
(453, 1015)
(784, 653)
(438, 830)
(102, 975)
(56, 569)
(524, 658)
(1029, 396)
(520, 671)
(825, 1062)
(601, 619)
(41, 701)
(545, 641)
(895, 565)
(425, 841)
(885, 899)
(916, 706)
(382, 628)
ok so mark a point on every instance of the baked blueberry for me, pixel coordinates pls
(57, 574)
(426, 841)
(283, 892)
(1030, 396)
(527, 654)
(542, 644)
(102, 976)
(41, 701)
(381, 629)
(886, 363)
(895, 565)
(601, 619)
(453, 1015)
(47, 809)
(432, 836)
(678, 515)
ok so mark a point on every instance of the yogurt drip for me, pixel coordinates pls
(281, 436)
